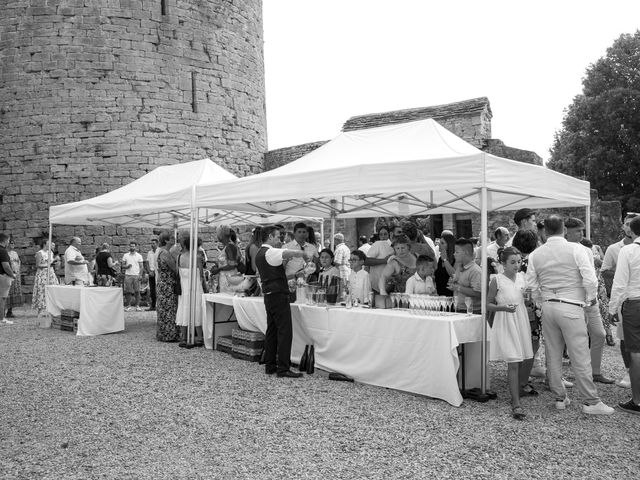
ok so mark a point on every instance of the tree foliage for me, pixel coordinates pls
(600, 135)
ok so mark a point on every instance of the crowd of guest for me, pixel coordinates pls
(545, 282)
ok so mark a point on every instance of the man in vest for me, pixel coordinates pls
(562, 278)
(269, 261)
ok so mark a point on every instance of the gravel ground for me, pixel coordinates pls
(126, 406)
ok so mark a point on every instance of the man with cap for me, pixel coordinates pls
(574, 234)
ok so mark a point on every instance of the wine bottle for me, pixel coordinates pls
(311, 360)
(304, 359)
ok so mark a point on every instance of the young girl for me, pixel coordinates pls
(510, 335)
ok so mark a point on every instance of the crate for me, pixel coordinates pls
(69, 313)
(252, 340)
(246, 353)
(64, 323)
(224, 344)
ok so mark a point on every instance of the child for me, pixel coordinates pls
(359, 284)
(510, 335)
(422, 281)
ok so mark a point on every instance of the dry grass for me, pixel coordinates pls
(126, 406)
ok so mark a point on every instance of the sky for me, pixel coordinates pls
(329, 60)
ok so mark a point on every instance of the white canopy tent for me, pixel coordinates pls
(161, 198)
(164, 198)
(413, 168)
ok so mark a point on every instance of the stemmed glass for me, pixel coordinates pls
(449, 301)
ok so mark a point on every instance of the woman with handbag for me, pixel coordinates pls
(229, 259)
(184, 300)
(167, 283)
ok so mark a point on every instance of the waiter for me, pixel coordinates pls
(269, 261)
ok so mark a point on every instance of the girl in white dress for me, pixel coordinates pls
(184, 300)
(510, 335)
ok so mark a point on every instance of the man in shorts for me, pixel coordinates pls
(625, 293)
(133, 270)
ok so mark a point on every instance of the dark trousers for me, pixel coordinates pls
(152, 291)
(279, 332)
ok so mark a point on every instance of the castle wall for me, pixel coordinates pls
(96, 93)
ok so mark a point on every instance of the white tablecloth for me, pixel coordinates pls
(389, 348)
(101, 308)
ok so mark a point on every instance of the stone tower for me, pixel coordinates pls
(96, 93)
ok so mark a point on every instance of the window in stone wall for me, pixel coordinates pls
(164, 7)
(194, 93)
(464, 228)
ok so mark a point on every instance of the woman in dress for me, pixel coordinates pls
(167, 300)
(510, 335)
(105, 267)
(45, 275)
(377, 257)
(227, 265)
(184, 300)
(15, 292)
(446, 263)
(400, 267)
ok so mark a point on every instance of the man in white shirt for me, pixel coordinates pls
(359, 284)
(608, 270)
(152, 267)
(364, 244)
(563, 280)
(525, 219)
(625, 298)
(574, 234)
(501, 238)
(294, 267)
(76, 271)
(133, 270)
(378, 255)
(341, 256)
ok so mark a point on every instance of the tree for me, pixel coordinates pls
(600, 135)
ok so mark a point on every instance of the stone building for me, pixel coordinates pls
(96, 93)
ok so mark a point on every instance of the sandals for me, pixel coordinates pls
(528, 390)
(518, 413)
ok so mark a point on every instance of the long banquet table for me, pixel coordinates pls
(101, 308)
(388, 348)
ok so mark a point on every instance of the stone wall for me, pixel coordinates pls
(96, 93)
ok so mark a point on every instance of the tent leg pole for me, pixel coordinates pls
(482, 394)
(588, 222)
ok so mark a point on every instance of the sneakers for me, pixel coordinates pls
(127, 309)
(597, 409)
(630, 407)
(8, 322)
(138, 309)
(624, 382)
(563, 404)
(567, 383)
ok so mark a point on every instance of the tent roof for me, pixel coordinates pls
(412, 168)
(161, 198)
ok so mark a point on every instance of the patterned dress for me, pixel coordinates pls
(15, 292)
(166, 302)
(398, 281)
(42, 279)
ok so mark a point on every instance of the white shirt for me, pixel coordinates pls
(74, 272)
(626, 282)
(380, 249)
(562, 270)
(365, 248)
(135, 260)
(359, 285)
(415, 284)
(611, 256)
(152, 259)
(273, 255)
(295, 264)
(341, 260)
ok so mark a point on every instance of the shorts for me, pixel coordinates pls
(131, 284)
(5, 285)
(631, 325)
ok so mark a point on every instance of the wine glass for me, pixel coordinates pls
(468, 301)
(449, 301)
